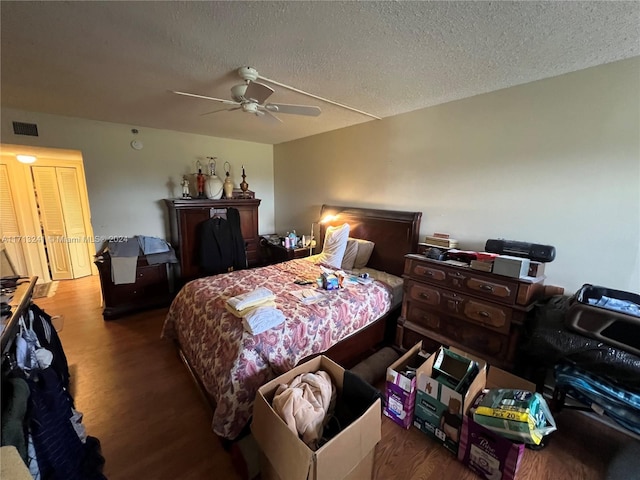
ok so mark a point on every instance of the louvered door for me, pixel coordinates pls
(50, 208)
(74, 221)
(9, 229)
(62, 220)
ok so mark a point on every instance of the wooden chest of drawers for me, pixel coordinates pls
(186, 218)
(479, 312)
(150, 290)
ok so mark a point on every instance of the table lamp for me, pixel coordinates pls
(325, 219)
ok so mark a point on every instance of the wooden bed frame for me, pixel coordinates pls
(395, 233)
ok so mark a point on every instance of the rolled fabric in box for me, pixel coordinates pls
(250, 299)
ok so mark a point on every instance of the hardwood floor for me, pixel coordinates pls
(139, 401)
(136, 396)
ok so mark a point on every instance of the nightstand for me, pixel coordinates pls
(271, 253)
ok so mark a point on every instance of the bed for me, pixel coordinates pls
(229, 364)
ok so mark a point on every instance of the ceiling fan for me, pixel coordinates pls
(251, 97)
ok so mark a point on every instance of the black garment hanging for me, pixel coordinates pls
(221, 244)
(50, 340)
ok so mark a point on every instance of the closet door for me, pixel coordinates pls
(74, 221)
(9, 228)
(62, 218)
(50, 209)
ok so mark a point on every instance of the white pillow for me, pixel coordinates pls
(335, 243)
(365, 249)
(349, 259)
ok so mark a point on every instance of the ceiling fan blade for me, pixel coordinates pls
(221, 110)
(227, 102)
(267, 116)
(308, 110)
(258, 92)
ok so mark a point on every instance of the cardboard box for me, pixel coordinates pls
(439, 408)
(488, 454)
(348, 455)
(400, 390)
(515, 267)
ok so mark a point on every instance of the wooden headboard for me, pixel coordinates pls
(395, 233)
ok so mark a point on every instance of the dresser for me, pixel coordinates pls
(185, 217)
(150, 289)
(481, 313)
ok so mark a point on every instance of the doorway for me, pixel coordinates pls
(45, 223)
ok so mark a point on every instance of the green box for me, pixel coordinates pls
(439, 407)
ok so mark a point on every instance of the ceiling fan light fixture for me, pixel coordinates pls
(237, 92)
(248, 74)
(26, 158)
(250, 107)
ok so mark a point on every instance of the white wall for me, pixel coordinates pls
(126, 186)
(555, 162)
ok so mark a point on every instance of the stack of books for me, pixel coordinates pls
(441, 240)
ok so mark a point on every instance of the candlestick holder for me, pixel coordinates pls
(244, 186)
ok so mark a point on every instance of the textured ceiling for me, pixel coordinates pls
(116, 61)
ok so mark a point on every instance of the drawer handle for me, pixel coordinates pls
(486, 288)
(424, 295)
(484, 314)
(428, 273)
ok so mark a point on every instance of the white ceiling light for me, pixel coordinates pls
(26, 158)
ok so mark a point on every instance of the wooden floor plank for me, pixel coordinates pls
(139, 401)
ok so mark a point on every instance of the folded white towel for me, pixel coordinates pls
(249, 299)
(240, 314)
(262, 319)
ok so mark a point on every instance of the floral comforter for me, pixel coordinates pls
(232, 363)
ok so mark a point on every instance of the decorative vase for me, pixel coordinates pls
(213, 187)
(228, 184)
(213, 184)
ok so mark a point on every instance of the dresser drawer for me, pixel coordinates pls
(502, 291)
(423, 293)
(420, 315)
(425, 272)
(406, 338)
(492, 287)
(423, 299)
(151, 274)
(451, 331)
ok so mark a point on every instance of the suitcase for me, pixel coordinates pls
(612, 316)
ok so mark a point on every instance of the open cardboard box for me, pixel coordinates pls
(485, 452)
(400, 390)
(348, 455)
(439, 409)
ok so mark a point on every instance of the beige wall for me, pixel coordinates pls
(555, 162)
(126, 186)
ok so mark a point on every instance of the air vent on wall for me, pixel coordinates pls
(21, 128)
